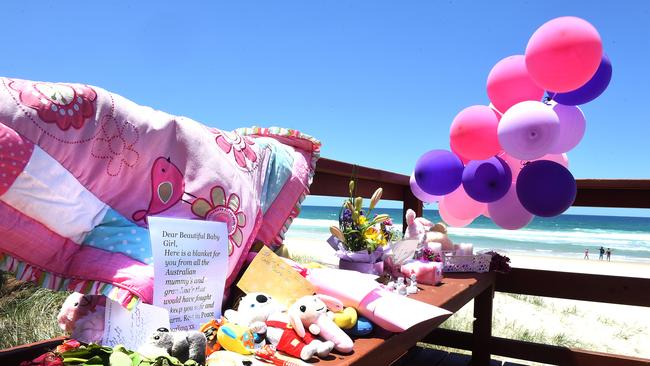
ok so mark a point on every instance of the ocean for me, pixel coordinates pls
(564, 235)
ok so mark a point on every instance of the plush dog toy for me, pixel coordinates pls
(425, 231)
(253, 311)
(182, 345)
(83, 317)
(311, 312)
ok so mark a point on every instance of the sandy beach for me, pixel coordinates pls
(610, 328)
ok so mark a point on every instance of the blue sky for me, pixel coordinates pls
(378, 82)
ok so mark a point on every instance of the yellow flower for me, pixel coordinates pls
(362, 220)
(374, 235)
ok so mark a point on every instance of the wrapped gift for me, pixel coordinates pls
(426, 272)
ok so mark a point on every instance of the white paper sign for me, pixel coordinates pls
(132, 328)
(190, 265)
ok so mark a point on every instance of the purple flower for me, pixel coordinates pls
(347, 216)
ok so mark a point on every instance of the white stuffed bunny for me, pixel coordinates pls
(282, 333)
(311, 312)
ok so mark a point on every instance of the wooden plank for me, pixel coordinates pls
(382, 347)
(534, 351)
(419, 356)
(622, 193)
(482, 327)
(576, 286)
(457, 359)
(348, 170)
(28, 352)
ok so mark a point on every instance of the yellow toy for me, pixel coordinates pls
(236, 338)
(345, 319)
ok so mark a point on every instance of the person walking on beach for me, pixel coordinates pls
(586, 254)
(609, 254)
(602, 253)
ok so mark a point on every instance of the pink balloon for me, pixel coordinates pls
(449, 219)
(572, 128)
(509, 83)
(419, 193)
(508, 213)
(563, 54)
(528, 130)
(517, 164)
(473, 133)
(462, 206)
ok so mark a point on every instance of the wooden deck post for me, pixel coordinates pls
(482, 327)
(412, 202)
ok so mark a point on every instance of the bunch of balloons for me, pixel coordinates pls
(508, 160)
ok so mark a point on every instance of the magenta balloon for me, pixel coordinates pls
(563, 54)
(473, 133)
(449, 219)
(462, 206)
(508, 213)
(572, 128)
(528, 130)
(419, 193)
(509, 83)
(517, 164)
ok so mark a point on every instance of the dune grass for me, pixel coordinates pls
(27, 312)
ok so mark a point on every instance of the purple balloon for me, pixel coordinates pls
(487, 180)
(546, 188)
(591, 90)
(508, 213)
(419, 193)
(438, 172)
(572, 128)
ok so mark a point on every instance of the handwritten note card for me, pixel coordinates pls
(403, 250)
(190, 266)
(270, 274)
(132, 328)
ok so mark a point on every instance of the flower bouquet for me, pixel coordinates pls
(360, 238)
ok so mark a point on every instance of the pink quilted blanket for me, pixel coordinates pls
(82, 168)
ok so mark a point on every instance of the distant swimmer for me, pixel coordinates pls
(602, 253)
(609, 254)
(586, 254)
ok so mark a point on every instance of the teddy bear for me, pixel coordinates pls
(311, 312)
(425, 231)
(82, 316)
(182, 345)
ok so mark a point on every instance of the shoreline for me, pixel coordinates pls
(321, 251)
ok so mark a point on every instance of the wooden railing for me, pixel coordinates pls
(331, 180)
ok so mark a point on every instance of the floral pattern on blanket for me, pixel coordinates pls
(66, 105)
(222, 210)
